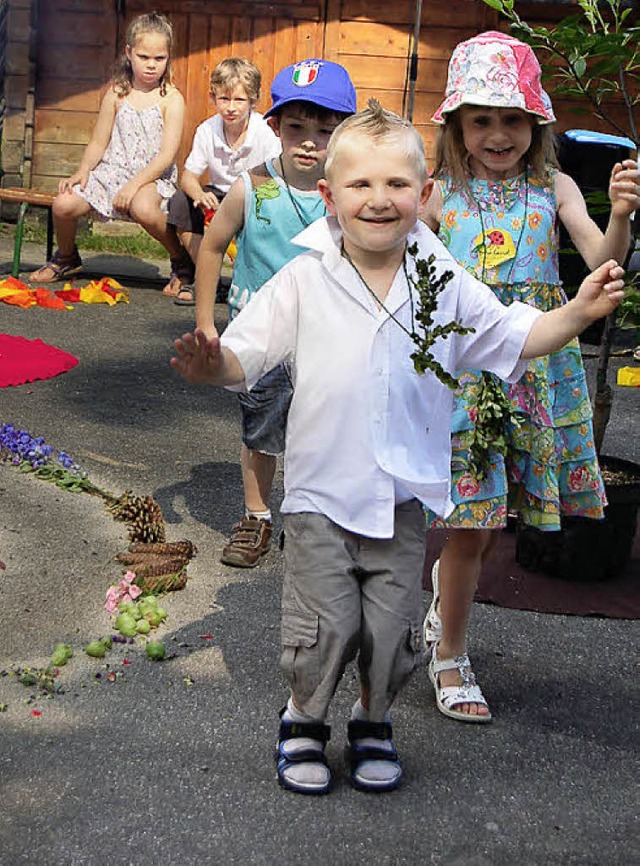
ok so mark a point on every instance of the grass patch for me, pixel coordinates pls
(140, 245)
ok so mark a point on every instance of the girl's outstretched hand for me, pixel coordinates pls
(199, 359)
(624, 187)
(602, 291)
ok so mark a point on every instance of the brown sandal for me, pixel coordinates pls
(60, 268)
(183, 273)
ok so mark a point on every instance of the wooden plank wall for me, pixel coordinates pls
(18, 95)
(373, 39)
(78, 41)
(76, 51)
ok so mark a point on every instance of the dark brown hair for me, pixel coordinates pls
(153, 22)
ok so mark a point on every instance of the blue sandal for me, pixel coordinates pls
(361, 753)
(313, 754)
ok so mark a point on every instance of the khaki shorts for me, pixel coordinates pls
(346, 596)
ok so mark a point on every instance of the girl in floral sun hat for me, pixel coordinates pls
(496, 203)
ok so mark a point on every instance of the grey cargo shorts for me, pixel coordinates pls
(346, 596)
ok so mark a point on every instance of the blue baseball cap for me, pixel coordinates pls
(321, 82)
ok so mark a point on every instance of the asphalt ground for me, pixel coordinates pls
(171, 762)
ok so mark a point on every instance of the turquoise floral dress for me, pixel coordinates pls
(505, 233)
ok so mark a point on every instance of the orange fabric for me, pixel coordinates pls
(103, 291)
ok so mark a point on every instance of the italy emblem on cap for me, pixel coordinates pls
(305, 73)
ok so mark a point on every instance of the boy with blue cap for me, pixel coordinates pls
(264, 209)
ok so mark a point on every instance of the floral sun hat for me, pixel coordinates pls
(497, 71)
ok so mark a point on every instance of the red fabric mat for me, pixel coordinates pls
(505, 583)
(24, 360)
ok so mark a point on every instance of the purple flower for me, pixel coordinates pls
(20, 447)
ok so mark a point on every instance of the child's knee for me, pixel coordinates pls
(67, 207)
(145, 216)
(391, 650)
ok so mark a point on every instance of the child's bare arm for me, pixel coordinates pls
(594, 246)
(227, 222)
(170, 142)
(190, 183)
(202, 361)
(600, 293)
(94, 151)
(624, 188)
(432, 214)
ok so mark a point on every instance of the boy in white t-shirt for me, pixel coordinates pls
(234, 140)
(368, 439)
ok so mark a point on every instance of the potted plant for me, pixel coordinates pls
(592, 56)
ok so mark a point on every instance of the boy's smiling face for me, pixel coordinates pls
(376, 192)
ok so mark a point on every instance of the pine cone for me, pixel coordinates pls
(157, 567)
(120, 508)
(143, 517)
(133, 560)
(172, 548)
(163, 582)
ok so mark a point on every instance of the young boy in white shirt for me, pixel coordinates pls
(233, 140)
(367, 437)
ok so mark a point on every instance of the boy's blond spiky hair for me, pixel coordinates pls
(379, 124)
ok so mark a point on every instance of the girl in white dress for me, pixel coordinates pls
(128, 169)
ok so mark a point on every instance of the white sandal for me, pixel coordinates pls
(468, 692)
(432, 625)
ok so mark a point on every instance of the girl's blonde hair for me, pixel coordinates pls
(233, 71)
(452, 158)
(378, 123)
(153, 22)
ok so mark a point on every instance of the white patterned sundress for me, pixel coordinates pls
(135, 140)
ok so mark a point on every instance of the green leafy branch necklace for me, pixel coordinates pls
(493, 407)
(428, 287)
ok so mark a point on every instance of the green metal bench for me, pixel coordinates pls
(28, 198)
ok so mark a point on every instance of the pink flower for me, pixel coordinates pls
(113, 598)
(124, 590)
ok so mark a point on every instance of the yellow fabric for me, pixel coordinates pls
(103, 291)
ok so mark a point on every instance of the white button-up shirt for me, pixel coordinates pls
(211, 152)
(363, 425)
